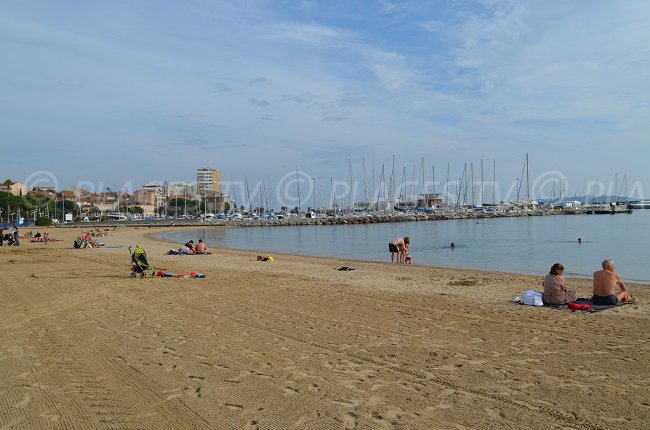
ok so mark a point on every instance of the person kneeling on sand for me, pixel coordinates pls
(555, 290)
(605, 282)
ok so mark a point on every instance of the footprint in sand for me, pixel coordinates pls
(200, 378)
(252, 425)
(50, 417)
(195, 391)
(11, 424)
(350, 421)
(23, 404)
(234, 407)
(314, 388)
(290, 390)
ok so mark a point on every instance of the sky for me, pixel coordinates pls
(116, 94)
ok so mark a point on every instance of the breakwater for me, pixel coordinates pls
(341, 219)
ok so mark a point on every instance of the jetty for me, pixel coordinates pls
(358, 217)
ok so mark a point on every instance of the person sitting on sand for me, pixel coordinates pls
(555, 290)
(605, 282)
(91, 242)
(185, 250)
(200, 247)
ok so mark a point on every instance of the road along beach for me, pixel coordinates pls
(295, 343)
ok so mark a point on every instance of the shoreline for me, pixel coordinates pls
(577, 276)
(297, 344)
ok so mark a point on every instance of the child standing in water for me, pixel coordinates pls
(405, 252)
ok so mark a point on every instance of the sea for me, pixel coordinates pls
(527, 245)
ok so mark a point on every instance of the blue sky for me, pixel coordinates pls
(122, 92)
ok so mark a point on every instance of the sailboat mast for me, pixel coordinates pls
(447, 184)
(471, 170)
(494, 181)
(351, 185)
(433, 179)
(373, 181)
(298, 183)
(391, 190)
(482, 182)
(381, 182)
(333, 195)
(527, 182)
(365, 183)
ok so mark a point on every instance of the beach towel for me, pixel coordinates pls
(163, 274)
(175, 252)
(263, 258)
(583, 305)
(580, 306)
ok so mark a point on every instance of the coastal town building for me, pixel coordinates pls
(183, 190)
(15, 188)
(430, 200)
(218, 202)
(208, 179)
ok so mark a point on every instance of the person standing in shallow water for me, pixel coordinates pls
(555, 290)
(393, 248)
(396, 249)
(404, 249)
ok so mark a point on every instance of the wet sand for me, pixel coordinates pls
(297, 344)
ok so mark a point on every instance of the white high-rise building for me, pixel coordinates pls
(208, 179)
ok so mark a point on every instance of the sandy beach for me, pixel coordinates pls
(297, 344)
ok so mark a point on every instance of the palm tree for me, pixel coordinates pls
(8, 183)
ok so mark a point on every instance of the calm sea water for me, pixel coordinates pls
(528, 245)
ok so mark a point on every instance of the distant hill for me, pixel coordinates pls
(596, 199)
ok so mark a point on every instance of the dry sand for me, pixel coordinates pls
(298, 344)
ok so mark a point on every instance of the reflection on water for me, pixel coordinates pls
(520, 245)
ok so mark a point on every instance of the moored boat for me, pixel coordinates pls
(640, 204)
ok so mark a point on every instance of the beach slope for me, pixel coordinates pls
(296, 343)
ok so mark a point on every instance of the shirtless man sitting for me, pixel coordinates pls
(605, 282)
(200, 247)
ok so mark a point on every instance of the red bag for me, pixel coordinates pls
(579, 306)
